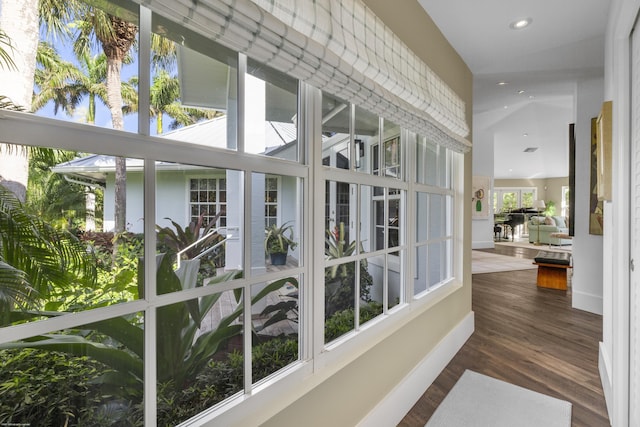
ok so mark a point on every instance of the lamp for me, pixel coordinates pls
(537, 205)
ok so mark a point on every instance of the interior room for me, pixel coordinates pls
(265, 212)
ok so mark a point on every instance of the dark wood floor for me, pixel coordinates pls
(529, 337)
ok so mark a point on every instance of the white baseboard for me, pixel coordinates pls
(604, 366)
(489, 244)
(391, 410)
(586, 302)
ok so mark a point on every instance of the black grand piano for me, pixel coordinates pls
(512, 219)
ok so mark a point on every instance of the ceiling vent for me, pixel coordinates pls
(530, 149)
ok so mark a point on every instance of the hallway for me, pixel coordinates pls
(529, 337)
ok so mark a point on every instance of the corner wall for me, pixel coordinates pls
(587, 248)
(482, 229)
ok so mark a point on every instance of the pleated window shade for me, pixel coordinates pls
(338, 46)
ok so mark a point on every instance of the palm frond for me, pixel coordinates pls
(5, 57)
(49, 257)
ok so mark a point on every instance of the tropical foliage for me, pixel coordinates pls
(36, 259)
(340, 279)
(183, 348)
(276, 241)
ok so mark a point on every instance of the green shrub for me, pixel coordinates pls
(342, 322)
(273, 355)
(222, 379)
(56, 389)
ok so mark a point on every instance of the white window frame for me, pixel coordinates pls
(26, 129)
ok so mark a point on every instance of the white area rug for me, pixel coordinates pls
(487, 262)
(478, 400)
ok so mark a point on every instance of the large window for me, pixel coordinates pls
(507, 198)
(164, 264)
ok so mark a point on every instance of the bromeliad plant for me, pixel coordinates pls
(194, 242)
(191, 240)
(277, 243)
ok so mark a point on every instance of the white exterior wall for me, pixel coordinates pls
(135, 203)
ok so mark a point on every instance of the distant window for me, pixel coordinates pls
(271, 201)
(208, 197)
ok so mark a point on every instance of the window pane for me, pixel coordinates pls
(340, 205)
(422, 216)
(367, 136)
(198, 354)
(509, 201)
(194, 236)
(395, 278)
(436, 216)
(394, 222)
(84, 97)
(275, 322)
(275, 238)
(392, 161)
(339, 288)
(47, 381)
(435, 263)
(367, 230)
(193, 94)
(444, 166)
(421, 282)
(427, 162)
(271, 110)
(371, 286)
(58, 245)
(387, 217)
(336, 122)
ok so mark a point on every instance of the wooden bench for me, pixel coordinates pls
(552, 269)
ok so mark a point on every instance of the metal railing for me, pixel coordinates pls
(203, 253)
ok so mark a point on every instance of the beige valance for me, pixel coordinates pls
(339, 46)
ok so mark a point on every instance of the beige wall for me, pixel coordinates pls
(548, 189)
(346, 397)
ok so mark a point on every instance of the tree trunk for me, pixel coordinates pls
(19, 20)
(114, 97)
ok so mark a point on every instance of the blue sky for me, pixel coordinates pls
(103, 116)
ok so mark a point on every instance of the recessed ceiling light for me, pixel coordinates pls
(530, 149)
(531, 96)
(502, 83)
(520, 24)
(506, 106)
(525, 134)
(520, 92)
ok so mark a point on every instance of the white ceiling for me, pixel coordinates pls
(564, 43)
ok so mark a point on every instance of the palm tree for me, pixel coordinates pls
(165, 100)
(67, 85)
(20, 22)
(116, 37)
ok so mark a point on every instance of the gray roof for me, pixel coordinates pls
(212, 133)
